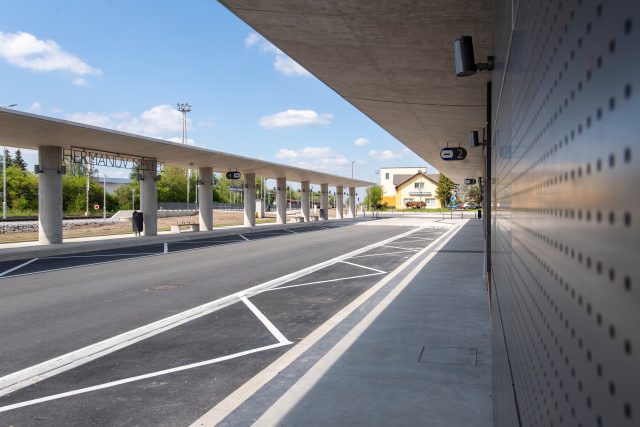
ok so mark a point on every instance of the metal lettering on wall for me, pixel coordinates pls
(566, 226)
(113, 160)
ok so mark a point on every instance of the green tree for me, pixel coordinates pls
(7, 155)
(443, 190)
(19, 161)
(474, 195)
(22, 189)
(373, 197)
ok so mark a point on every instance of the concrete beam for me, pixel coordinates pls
(250, 199)
(205, 199)
(149, 197)
(50, 195)
(304, 200)
(281, 200)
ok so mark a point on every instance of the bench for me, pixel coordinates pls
(299, 218)
(314, 218)
(190, 226)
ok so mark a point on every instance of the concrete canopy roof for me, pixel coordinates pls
(24, 130)
(393, 60)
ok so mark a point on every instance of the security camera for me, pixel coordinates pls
(465, 60)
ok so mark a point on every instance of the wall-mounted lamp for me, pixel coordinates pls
(474, 139)
(465, 61)
(37, 169)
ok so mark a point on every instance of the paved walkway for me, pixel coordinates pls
(417, 352)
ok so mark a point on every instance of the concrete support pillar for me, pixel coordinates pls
(149, 197)
(352, 202)
(281, 200)
(304, 200)
(50, 195)
(250, 199)
(339, 202)
(205, 198)
(324, 200)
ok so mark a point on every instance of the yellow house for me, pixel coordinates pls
(420, 187)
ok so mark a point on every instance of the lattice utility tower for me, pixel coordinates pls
(184, 108)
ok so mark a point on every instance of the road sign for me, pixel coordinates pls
(233, 175)
(454, 153)
(453, 198)
(236, 189)
(96, 206)
(469, 181)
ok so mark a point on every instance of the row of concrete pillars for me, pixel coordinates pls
(50, 197)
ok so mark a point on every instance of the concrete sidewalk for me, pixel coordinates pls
(415, 353)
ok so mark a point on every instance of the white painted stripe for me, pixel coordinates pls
(266, 322)
(33, 374)
(139, 377)
(18, 266)
(166, 248)
(384, 254)
(291, 397)
(225, 407)
(243, 237)
(101, 255)
(364, 266)
(404, 249)
(290, 231)
(322, 281)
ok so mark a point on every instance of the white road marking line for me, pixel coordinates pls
(322, 281)
(244, 237)
(18, 266)
(225, 407)
(140, 377)
(383, 254)
(404, 249)
(101, 255)
(266, 322)
(274, 415)
(33, 374)
(364, 266)
(290, 231)
(166, 248)
(420, 239)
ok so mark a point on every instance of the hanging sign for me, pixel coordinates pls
(453, 153)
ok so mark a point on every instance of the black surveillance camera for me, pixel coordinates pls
(465, 60)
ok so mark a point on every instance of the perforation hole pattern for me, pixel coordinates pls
(566, 225)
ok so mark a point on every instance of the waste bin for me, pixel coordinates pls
(322, 213)
(137, 222)
(479, 213)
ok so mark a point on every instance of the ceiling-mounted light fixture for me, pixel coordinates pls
(465, 61)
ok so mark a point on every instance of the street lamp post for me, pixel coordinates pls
(352, 163)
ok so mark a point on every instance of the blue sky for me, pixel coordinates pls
(125, 64)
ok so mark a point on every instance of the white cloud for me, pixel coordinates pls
(388, 154)
(207, 122)
(160, 121)
(281, 62)
(79, 81)
(317, 158)
(35, 107)
(27, 51)
(361, 142)
(295, 118)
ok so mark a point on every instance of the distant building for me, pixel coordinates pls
(409, 184)
(113, 183)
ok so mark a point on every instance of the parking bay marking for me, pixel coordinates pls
(31, 375)
(18, 266)
(282, 341)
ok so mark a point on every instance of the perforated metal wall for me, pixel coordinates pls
(566, 225)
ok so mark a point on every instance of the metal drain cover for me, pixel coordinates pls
(449, 355)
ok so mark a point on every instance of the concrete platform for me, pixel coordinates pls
(417, 352)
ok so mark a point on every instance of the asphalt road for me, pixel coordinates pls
(61, 306)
